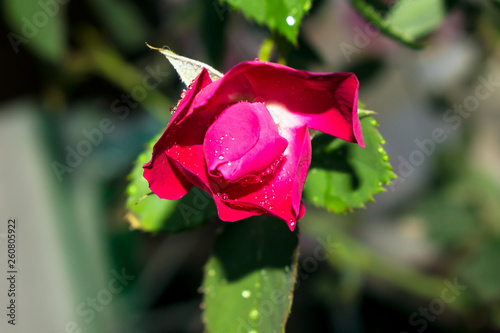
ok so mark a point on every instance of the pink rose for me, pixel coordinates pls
(244, 138)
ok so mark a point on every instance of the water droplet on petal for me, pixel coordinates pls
(221, 157)
(224, 196)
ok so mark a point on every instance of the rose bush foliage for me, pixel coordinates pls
(244, 138)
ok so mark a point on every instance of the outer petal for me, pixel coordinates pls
(164, 178)
(325, 102)
(243, 141)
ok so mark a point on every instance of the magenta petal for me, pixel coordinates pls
(230, 213)
(166, 181)
(243, 141)
(324, 101)
(280, 195)
(304, 161)
(164, 177)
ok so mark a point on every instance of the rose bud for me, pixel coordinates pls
(244, 138)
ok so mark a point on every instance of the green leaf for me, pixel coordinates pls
(284, 16)
(188, 69)
(149, 213)
(343, 175)
(417, 18)
(249, 279)
(41, 30)
(407, 20)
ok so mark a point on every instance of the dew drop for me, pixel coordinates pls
(222, 138)
(254, 314)
(265, 196)
(386, 158)
(383, 142)
(224, 196)
(290, 20)
(221, 157)
(246, 293)
(232, 139)
(229, 163)
(381, 150)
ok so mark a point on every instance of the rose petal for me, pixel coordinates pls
(243, 141)
(325, 102)
(227, 213)
(280, 195)
(164, 179)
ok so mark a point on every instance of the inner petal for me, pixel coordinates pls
(243, 141)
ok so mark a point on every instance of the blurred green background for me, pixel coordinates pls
(72, 67)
